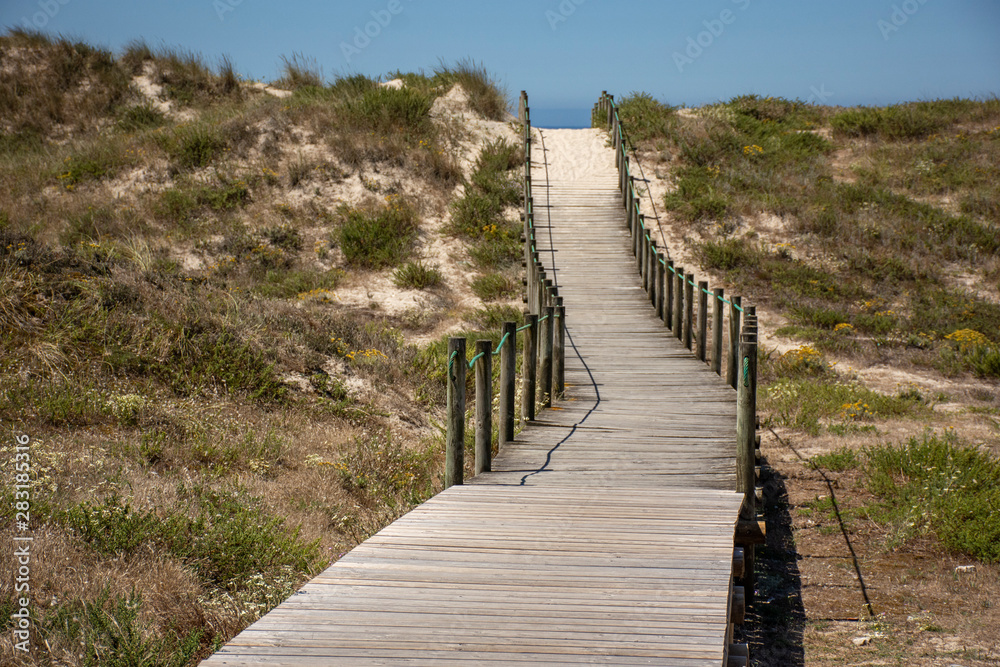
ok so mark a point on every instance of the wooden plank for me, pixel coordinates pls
(603, 533)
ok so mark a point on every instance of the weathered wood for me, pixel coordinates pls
(717, 295)
(518, 564)
(545, 330)
(661, 297)
(688, 309)
(739, 606)
(678, 302)
(508, 375)
(484, 405)
(454, 469)
(529, 362)
(702, 318)
(652, 264)
(738, 561)
(668, 307)
(559, 349)
(734, 342)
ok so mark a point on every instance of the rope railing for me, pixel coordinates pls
(671, 291)
(543, 354)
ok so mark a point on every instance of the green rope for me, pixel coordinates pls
(526, 326)
(746, 371)
(500, 344)
(451, 360)
(542, 318)
(472, 362)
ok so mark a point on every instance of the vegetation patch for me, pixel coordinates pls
(378, 236)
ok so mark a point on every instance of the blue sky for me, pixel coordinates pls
(564, 52)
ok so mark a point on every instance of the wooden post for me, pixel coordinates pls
(559, 349)
(661, 274)
(734, 341)
(545, 354)
(678, 301)
(652, 272)
(688, 309)
(454, 467)
(540, 292)
(508, 372)
(668, 307)
(529, 364)
(702, 318)
(641, 259)
(717, 330)
(637, 237)
(484, 405)
(746, 481)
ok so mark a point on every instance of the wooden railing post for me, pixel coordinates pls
(652, 272)
(688, 308)
(717, 330)
(529, 364)
(545, 354)
(661, 273)
(559, 349)
(746, 479)
(702, 318)
(734, 341)
(641, 258)
(454, 468)
(508, 373)
(678, 301)
(668, 306)
(484, 405)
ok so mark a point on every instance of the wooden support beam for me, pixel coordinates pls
(737, 611)
(484, 405)
(750, 532)
(529, 363)
(454, 468)
(508, 375)
(739, 561)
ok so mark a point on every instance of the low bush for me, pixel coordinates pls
(938, 485)
(380, 236)
(416, 275)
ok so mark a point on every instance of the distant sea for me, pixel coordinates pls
(560, 118)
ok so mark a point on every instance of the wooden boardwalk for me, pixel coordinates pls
(604, 534)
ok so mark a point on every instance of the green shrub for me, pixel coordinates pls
(390, 110)
(937, 484)
(416, 275)
(378, 237)
(486, 95)
(838, 460)
(278, 284)
(194, 146)
(900, 121)
(140, 117)
(299, 72)
(495, 287)
(108, 631)
(645, 119)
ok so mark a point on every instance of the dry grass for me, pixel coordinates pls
(177, 341)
